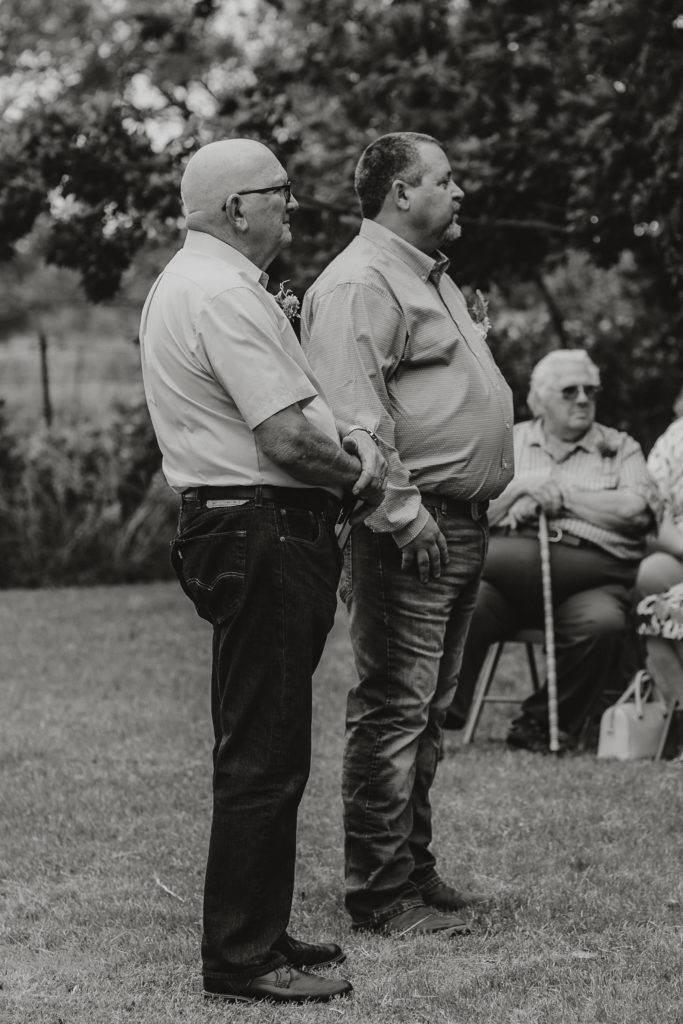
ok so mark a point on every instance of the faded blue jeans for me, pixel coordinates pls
(265, 577)
(408, 639)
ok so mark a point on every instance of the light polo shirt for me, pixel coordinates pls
(390, 336)
(604, 459)
(218, 358)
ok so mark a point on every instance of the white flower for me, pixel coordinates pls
(288, 302)
(478, 310)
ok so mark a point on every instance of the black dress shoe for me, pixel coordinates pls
(283, 985)
(527, 734)
(309, 954)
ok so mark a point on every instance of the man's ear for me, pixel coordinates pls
(234, 211)
(399, 193)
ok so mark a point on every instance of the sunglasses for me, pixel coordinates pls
(285, 188)
(591, 391)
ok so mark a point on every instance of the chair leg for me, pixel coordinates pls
(665, 731)
(533, 669)
(481, 689)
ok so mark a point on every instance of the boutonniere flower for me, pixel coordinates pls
(479, 315)
(288, 302)
(606, 450)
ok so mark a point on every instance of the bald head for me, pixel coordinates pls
(219, 169)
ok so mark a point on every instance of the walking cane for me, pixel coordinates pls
(551, 665)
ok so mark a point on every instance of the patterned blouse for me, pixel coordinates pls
(665, 463)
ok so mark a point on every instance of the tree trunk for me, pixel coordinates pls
(554, 310)
(45, 378)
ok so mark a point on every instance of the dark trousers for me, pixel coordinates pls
(592, 599)
(265, 577)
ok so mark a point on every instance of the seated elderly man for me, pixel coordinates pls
(592, 482)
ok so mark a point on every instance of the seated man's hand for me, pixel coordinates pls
(547, 495)
(371, 484)
(524, 512)
(428, 551)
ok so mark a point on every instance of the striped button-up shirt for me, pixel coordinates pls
(389, 335)
(604, 459)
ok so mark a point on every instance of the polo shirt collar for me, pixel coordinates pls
(208, 245)
(426, 267)
(592, 440)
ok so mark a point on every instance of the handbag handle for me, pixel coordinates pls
(640, 688)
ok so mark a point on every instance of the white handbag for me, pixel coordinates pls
(633, 727)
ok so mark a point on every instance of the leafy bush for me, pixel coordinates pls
(84, 504)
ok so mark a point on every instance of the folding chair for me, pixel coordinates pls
(482, 695)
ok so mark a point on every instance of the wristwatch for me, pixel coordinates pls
(359, 426)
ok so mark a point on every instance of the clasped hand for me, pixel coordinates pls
(371, 485)
(540, 496)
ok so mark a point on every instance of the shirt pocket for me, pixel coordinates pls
(431, 346)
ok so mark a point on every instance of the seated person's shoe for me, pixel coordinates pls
(527, 734)
(445, 897)
(420, 921)
(309, 954)
(283, 985)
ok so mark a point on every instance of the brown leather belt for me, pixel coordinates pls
(315, 499)
(474, 509)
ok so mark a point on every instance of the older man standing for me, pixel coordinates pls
(390, 336)
(252, 447)
(593, 484)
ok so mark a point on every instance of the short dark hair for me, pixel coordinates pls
(387, 158)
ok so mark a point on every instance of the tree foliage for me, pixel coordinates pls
(563, 121)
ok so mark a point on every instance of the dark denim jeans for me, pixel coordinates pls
(408, 639)
(265, 577)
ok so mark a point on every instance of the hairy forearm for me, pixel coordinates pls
(313, 458)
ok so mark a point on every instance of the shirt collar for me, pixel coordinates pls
(208, 245)
(592, 440)
(426, 267)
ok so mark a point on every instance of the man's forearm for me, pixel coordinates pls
(313, 458)
(613, 510)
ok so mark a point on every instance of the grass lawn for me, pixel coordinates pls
(104, 812)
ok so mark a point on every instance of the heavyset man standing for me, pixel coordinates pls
(390, 336)
(252, 446)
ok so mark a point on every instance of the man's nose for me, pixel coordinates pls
(292, 205)
(457, 192)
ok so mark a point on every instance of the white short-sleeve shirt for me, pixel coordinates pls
(218, 358)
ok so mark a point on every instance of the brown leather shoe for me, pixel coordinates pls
(283, 985)
(309, 954)
(444, 897)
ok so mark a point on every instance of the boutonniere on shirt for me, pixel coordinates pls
(288, 302)
(479, 313)
(606, 450)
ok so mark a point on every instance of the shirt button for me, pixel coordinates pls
(504, 463)
(507, 425)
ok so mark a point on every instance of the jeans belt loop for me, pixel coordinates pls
(258, 497)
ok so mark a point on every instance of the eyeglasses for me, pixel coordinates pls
(591, 391)
(285, 188)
